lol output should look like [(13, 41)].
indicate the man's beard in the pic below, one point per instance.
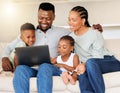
[(44, 30)]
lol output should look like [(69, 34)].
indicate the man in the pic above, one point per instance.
[(46, 34)]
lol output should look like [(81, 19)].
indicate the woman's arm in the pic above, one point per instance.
[(98, 46)]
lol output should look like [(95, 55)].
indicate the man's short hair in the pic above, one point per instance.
[(27, 26), (47, 6)]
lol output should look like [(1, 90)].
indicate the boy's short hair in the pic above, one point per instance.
[(27, 26), (47, 6)]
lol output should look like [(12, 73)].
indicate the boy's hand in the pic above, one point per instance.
[(15, 61), (6, 64)]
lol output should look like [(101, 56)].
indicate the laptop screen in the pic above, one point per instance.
[(34, 55)]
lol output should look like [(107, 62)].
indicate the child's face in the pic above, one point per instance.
[(64, 47), (28, 36)]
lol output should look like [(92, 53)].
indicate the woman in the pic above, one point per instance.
[(89, 45)]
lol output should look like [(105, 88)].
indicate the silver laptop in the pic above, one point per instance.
[(34, 55)]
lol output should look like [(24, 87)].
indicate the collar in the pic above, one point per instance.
[(39, 30)]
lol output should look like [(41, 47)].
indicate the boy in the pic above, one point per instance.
[(27, 36)]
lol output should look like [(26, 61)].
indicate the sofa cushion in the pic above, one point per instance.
[(6, 79), (6, 84), (57, 83), (113, 90), (113, 45), (112, 79), (73, 88)]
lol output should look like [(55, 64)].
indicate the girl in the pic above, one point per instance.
[(67, 61)]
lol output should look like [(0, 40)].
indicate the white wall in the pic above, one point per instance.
[(103, 12)]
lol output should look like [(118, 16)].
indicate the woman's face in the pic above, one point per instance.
[(74, 20)]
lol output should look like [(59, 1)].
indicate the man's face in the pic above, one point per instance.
[(45, 19)]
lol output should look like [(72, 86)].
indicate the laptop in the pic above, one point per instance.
[(34, 55)]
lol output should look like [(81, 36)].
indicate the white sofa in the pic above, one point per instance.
[(112, 80)]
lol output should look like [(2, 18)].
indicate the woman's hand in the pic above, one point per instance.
[(81, 68)]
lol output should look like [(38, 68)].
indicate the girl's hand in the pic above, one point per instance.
[(53, 60), (81, 68), (59, 65)]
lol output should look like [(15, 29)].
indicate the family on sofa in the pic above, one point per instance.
[(94, 59)]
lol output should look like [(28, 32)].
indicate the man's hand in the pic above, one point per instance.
[(6, 64), (98, 27)]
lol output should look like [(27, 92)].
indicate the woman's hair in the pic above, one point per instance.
[(69, 38), (83, 13)]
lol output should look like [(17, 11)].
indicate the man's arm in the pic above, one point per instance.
[(6, 64), (10, 47)]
